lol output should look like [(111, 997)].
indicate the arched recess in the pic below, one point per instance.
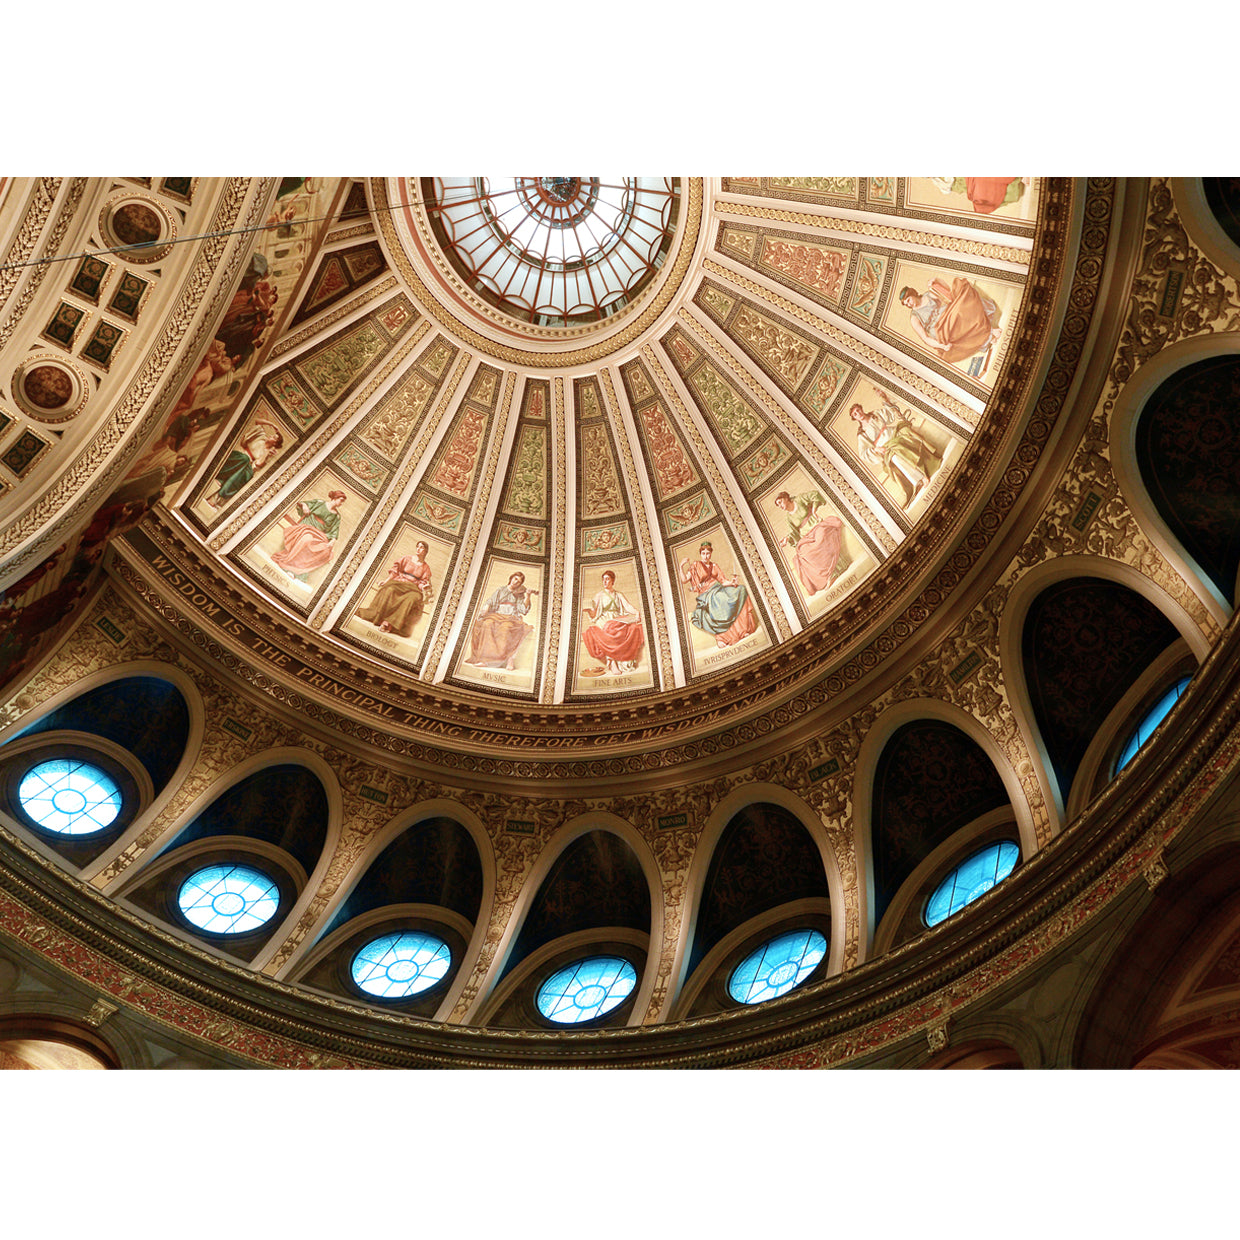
[(301, 847), (694, 956), (42, 1041), (437, 807), (1170, 992), (432, 868), (1098, 766), (978, 1055), (903, 918), (954, 826), (695, 879), (1012, 626), (1209, 209), (1187, 447), (1126, 417), (147, 718), (534, 937)]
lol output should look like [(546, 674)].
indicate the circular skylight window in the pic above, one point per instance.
[(586, 989), (228, 899), (70, 797), (972, 878), (778, 966), (396, 966), (555, 250)]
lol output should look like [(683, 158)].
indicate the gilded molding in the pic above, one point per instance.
[(469, 547), (885, 232), (1176, 293), (850, 343), (790, 424), (646, 541), (372, 293), (331, 428), (709, 467), (73, 490)]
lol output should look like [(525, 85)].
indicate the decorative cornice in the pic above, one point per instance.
[(1065, 889)]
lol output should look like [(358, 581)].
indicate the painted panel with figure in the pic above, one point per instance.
[(499, 647), (256, 446), (396, 608), (822, 555), (613, 642), (297, 550), (721, 621), (1012, 198), (901, 448), (962, 321)]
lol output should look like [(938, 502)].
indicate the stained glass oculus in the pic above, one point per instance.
[(972, 878), (395, 966), (228, 899), (69, 796), (778, 966), (586, 989), (1154, 716), (555, 251)]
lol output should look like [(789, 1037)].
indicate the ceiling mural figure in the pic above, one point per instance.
[(755, 606)]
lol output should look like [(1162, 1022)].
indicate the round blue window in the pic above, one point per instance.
[(777, 966), (973, 877), (228, 899), (69, 796), (396, 966), (1145, 729), (586, 989)]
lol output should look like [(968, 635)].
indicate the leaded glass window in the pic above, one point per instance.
[(69, 796), (972, 878), (586, 989), (1153, 717), (555, 250), (228, 899), (778, 966), (395, 966)]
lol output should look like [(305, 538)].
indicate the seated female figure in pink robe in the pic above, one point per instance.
[(309, 543)]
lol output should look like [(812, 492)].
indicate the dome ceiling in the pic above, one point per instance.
[(613, 507)]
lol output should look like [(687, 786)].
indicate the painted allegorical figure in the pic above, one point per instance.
[(249, 456), (310, 540), (499, 628), (616, 636), (887, 440), (401, 599), (721, 608), (986, 194), (955, 321), (814, 539)]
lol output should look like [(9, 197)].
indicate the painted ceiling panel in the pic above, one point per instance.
[(714, 467)]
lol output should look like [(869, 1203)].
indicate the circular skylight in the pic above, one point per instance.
[(228, 899), (395, 966), (70, 797), (586, 989), (972, 878), (778, 966), (555, 250)]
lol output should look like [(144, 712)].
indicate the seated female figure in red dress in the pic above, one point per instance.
[(616, 636)]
